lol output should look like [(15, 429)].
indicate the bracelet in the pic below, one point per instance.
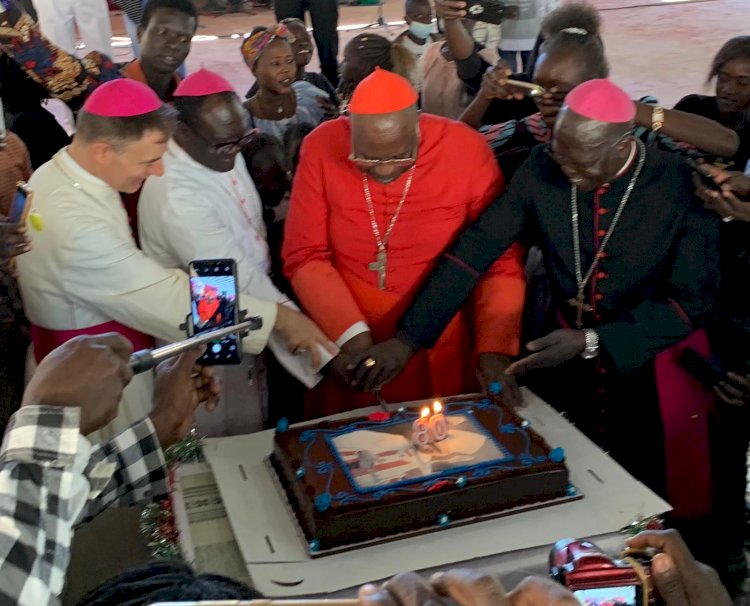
[(657, 119)]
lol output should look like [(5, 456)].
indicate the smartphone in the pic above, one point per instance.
[(214, 303), (490, 11), (706, 371), (701, 173), (21, 205), (627, 595), (528, 88)]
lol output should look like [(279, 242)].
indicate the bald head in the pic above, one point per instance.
[(381, 140)]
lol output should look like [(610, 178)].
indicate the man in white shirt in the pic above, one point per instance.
[(206, 206), (85, 275), (59, 18)]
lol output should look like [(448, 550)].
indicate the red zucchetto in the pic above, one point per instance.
[(382, 92)]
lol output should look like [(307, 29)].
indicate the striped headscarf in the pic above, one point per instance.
[(254, 45)]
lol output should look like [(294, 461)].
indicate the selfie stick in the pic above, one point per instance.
[(146, 359)]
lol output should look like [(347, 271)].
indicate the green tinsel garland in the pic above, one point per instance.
[(157, 519), (639, 525)]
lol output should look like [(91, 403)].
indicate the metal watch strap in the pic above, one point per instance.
[(657, 119), (591, 349)]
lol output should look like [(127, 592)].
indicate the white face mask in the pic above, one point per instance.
[(421, 30)]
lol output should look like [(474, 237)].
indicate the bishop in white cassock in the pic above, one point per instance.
[(84, 274), (206, 206)]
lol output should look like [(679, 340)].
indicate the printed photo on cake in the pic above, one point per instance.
[(384, 456)]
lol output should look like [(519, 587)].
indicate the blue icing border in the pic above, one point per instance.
[(423, 483)]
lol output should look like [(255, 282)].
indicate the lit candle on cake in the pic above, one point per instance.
[(420, 434), (438, 422)]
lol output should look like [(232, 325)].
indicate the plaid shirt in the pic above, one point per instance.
[(50, 479)]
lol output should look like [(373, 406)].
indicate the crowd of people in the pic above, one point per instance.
[(438, 214)]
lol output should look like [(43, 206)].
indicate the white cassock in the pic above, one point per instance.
[(85, 270), (193, 212)]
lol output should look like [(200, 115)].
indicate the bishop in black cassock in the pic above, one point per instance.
[(610, 360)]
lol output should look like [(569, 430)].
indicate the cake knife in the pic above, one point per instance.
[(381, 401)]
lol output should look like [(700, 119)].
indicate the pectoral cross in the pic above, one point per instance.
[(579, 302), (379, 266)]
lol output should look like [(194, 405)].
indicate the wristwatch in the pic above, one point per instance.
[(657, 119), (592, 344)]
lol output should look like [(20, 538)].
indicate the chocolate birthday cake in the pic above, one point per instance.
[(368, 478)]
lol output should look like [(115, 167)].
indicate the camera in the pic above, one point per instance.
[(596, 579)]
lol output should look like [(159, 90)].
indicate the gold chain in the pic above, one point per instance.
[(383, 242)]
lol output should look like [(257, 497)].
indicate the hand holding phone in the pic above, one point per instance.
[(706, 371), (14, 239), (703, 177)]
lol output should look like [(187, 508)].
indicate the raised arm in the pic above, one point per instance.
[(697, 131), (63, 75)]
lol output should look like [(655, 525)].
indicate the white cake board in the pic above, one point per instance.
[(276, 556)]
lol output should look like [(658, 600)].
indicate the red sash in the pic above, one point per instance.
[(685, 405), (45, 340)]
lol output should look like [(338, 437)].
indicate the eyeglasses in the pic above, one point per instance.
[(367, 164), (227, 147)]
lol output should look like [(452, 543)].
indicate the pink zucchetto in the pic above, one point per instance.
[(201, 83), (123, 98), (601, 100)]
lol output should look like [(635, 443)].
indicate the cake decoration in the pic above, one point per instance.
[(323, 502), (461, 481), (300, 473), (557, 455), (314, 545), (443, 519), (495, 388), (379, 416), (282, 425)]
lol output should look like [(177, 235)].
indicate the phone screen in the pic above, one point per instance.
[(213, 302), (17, 212), (608, 596)]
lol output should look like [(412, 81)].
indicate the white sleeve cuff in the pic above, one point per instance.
[(355, 329)]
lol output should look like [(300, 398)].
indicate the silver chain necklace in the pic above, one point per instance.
[(579, 301), (381, 257)]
